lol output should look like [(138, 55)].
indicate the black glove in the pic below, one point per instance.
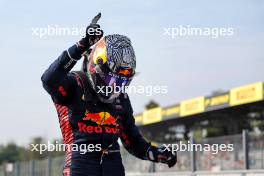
[(162, 155), (93, 33)]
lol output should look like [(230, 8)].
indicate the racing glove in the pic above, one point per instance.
[(93, 33), (162, 155)]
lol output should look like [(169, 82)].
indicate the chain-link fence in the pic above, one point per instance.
[(222, 160), (256, 151), (247, 153)]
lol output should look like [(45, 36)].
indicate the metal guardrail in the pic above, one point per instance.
[(204, 173)]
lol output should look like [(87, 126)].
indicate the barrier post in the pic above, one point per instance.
[(31, 168), (245, 149), (48, 169), (193, 157), (17, 169)]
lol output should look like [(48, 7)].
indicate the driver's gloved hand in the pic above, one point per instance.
[(93, 33), (162, 155)]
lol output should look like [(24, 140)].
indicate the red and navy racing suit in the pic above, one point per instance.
[(91, 122)]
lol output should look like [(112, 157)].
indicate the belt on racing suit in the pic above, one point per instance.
[(107, 151)]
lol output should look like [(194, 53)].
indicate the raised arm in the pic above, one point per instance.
[(57, 80)]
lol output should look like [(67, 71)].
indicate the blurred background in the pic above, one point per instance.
[(215, 85)]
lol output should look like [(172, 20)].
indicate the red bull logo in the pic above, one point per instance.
[(101, 118), (96, 129), (125, 72)]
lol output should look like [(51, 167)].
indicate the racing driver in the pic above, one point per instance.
[(90, 112)]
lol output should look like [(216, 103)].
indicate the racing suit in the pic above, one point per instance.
[(90, 121)]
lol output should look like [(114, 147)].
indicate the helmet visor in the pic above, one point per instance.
[(111, 79)]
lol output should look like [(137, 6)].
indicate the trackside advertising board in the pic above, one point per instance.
[(235, 97)]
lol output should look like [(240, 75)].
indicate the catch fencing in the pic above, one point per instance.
[(247, 159)]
